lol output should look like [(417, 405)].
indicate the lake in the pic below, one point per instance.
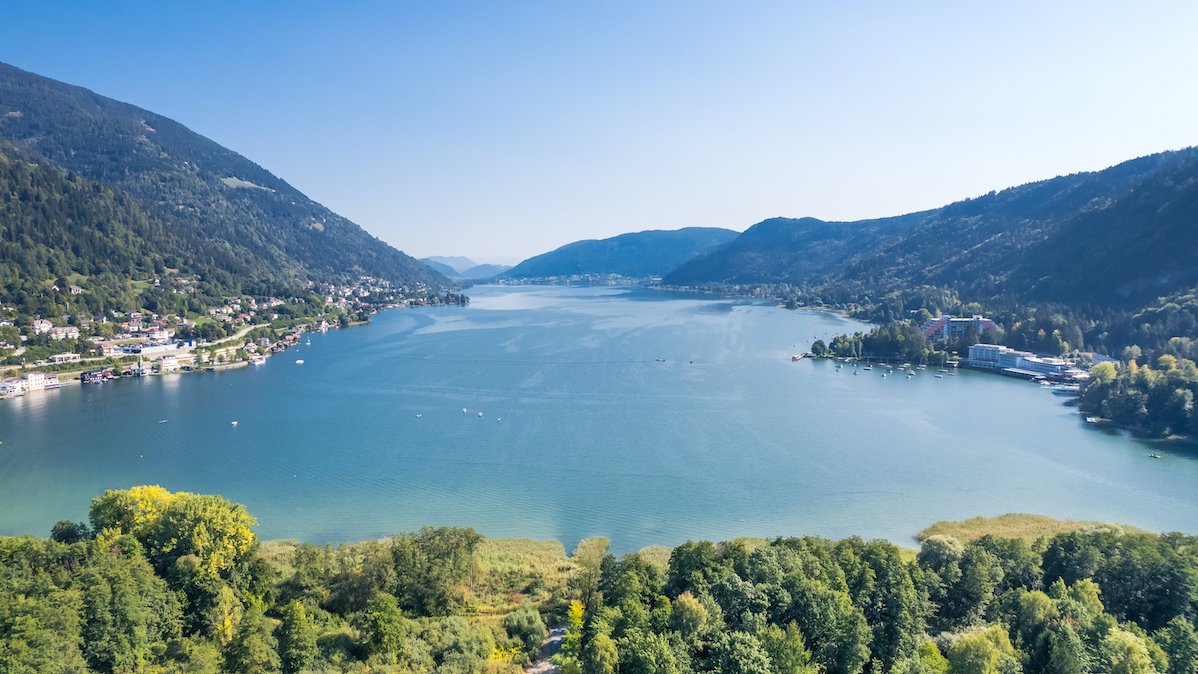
[(584, 432)]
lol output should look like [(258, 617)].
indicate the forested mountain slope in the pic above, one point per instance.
[(1036, 241), (195, 186), (59, 225), (783, 249), (637, 254)]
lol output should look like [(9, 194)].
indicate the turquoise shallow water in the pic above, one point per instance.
[(584, 432)]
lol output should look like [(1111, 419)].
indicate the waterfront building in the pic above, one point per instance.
[(1013, 361), (34, 381), (950, 327)]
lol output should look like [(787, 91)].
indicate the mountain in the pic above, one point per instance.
[(234, 214), (457, 263), (1040, 241), (439, 267), (781, 249), (1145, 244), (635, 255), (484, 271)]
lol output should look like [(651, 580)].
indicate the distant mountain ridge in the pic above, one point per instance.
[(241, 217), (1041, 241), (464, 268), (635, 255)]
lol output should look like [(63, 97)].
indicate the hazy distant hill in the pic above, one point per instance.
[(637, 255), (439, 267), (484, 271), (1096, 237), (456, 263), (463, 268), (244, 216)]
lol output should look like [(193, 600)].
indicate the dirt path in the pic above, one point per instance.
[(549, 646)]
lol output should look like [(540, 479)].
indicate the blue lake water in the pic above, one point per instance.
[(584, 432)]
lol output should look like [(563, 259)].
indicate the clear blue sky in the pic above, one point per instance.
[(498, 130)]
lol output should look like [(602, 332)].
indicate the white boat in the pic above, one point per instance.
[(234, 423), (299, 361), (419, 415), (463, 410), (258, 360), (480, 414)]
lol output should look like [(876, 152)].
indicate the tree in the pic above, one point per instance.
[(297, 638), (66, 531), (986, 652), (254, 650), (819, 348), (569, 657), (1180, 643), (526, 626), (1125, 653), (786, 650), (836, 630), (689, 618), (224, 618), (693, 566), (742, 653), (130, 511), (385, 625), (429, 564), (600, 656), (216, 531), (647, 653)]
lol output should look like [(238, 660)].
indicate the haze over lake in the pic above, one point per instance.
[(584, 432)]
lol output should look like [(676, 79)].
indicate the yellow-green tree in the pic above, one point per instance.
[(216, 531), (130, 511)]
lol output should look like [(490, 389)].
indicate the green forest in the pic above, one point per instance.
[(177, 582)]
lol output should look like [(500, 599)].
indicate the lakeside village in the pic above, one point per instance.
[(243, 331), (1062, 376)]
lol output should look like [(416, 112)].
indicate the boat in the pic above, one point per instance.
[(1154, 456), (939, 376), (234, 423), (299, 361), (1091, 420), (660, 360), (164, 421), (797, 356), (1067, 390), (463, 410), (258, 360), (480, 414), (308, 343)]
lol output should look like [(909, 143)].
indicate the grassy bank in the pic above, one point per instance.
[(1023, 526)]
